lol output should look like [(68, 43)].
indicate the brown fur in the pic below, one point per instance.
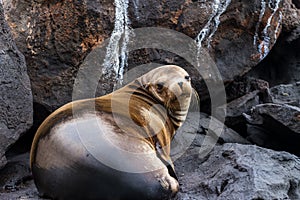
[(139, 97), (142, 94)]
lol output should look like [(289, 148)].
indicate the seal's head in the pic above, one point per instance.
[(170, 85)]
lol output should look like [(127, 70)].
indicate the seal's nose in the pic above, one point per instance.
[(180, 84)]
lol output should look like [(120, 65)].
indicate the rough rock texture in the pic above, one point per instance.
[(16, 181), (56, 36), (199, 134), (195, 131), (242, 94), (275, 126), (227, 135), (286, 94), (285, 115), (242, 86), (282, 65), (15, 94), (291, 14), (235, 171), (229, 171)]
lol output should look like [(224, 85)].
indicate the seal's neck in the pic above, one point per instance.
[(137, 95), (136, 101)]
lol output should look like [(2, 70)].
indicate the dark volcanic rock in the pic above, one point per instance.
[(291, 14), (235, 109), (244, 85), (227, 134), (297, 3), (242, 94), (15, 93), (194, 133), (56, 36), (275, 126), (280, 114), (286, 94), (235, 171), (282, 65), (16, 181)]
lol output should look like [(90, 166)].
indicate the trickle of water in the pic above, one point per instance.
[(210, 28), (265, 43), (261, 15), (136, 4), (116, 58)]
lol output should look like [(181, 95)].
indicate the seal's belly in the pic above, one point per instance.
[(98, 137), (91, 154)]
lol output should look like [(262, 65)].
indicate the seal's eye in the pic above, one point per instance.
[(187, 78), (159, 86)]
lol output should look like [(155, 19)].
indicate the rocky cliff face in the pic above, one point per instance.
[(56, 36), (15, 94), (255, 46)]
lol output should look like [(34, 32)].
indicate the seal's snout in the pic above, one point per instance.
[(180, 84)]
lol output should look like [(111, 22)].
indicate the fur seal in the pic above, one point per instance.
[(116, 146)]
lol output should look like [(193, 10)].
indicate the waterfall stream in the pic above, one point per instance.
[(116, 57), (116, 53), (210, 28), (264, 44)]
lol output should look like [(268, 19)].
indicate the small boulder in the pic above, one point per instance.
[(286, 94), (235, 171), (275, 126)]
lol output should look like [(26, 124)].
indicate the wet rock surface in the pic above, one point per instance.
[(56, 36), (15, 94), (281, 66)]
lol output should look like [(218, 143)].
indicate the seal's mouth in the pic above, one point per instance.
[(185, 95), (180, 99)]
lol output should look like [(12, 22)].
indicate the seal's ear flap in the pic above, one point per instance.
[(147, 85), (195, 102), (144, 82)]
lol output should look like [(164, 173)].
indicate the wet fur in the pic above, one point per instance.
[(143, 95)]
